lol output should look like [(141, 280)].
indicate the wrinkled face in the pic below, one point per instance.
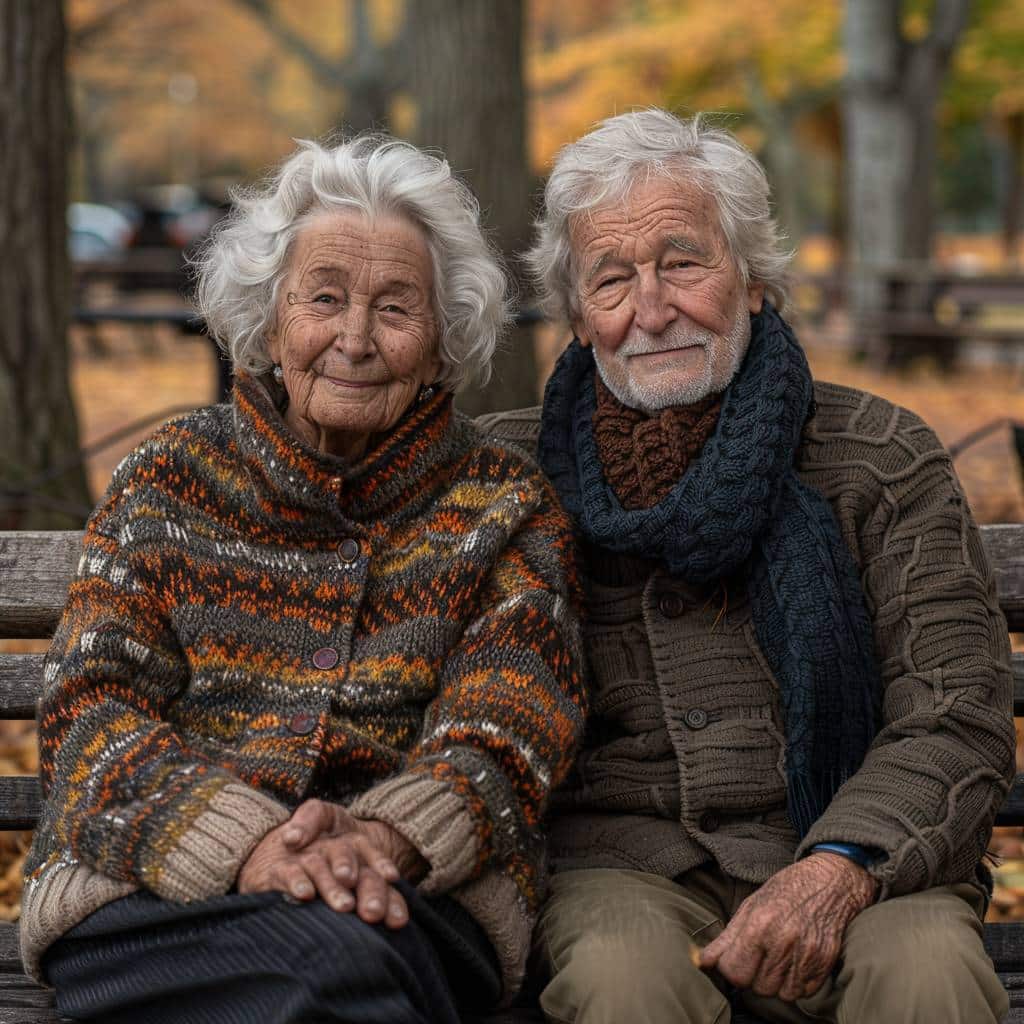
[(355, 332), (660, 297)]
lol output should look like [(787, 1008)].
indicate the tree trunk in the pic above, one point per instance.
[(892, 87), (780, 155), (37, 418), (371, 79), (1013, 205), (467, 77)]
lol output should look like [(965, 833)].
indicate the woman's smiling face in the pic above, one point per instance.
[(355, 331)]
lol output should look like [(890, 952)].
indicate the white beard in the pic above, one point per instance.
[(723, 356)]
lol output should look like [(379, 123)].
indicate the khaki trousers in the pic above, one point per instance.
[(618, 947)]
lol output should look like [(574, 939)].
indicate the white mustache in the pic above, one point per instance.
[(677, 336)]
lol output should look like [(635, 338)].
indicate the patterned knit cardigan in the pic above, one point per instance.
[(254, 623)]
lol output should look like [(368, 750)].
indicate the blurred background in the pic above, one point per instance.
[(892, 132)]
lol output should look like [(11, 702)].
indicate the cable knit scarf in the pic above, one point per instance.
[(740, 507)]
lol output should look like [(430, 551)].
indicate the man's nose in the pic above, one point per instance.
[(654, 309)]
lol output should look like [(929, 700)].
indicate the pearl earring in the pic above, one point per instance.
[(278, 373)]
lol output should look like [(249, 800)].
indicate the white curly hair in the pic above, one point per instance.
[(605, 164), (240, 266)]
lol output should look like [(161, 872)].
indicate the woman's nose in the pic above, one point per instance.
[(353, 337)]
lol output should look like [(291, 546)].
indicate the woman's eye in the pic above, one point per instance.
[(680, 264), (327, 300), (392, 308), (608, 281)]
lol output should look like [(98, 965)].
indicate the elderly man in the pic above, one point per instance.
[(801, 690)]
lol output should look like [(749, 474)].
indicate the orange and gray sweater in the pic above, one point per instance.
[(254, 623)]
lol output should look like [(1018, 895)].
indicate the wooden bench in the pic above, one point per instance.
[(929, 311), (35, 569)]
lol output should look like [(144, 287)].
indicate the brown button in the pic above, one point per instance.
[(303, 723), (325, 658), (348, 550), (696, 718), (709, 822), (671, 605)]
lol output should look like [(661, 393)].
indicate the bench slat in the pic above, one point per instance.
[(25, 1003), (21, 680), (35, 570), (21, 802), (36, 567), (1004, 544)]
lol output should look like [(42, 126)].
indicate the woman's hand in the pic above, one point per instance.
[(322, 850)]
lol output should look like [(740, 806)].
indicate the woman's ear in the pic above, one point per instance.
[(273, 345)]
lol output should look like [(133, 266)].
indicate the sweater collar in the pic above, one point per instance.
[(295, 481)]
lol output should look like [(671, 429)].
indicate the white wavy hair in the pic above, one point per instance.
[(239, 268), (605, 164)]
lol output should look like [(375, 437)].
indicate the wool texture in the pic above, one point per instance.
[(643, 457), (741, 508), (255, 623), (685, 751)]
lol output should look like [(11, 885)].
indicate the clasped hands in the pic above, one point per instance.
[(350, 863), (785, 938)]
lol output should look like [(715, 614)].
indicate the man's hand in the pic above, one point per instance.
[(785, 938), (350, 863)]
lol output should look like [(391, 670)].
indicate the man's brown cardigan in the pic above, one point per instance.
[(685, 755)]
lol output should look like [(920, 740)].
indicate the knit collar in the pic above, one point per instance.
[(643, 456), (296, 481)]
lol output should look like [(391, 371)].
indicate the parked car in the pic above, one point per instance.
[(97, 232)]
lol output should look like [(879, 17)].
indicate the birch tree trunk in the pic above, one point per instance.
[(892, 88), (38, 426), (467, 79)]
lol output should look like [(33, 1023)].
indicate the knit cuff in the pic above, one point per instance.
[(431, 816), (208, 857), (499, 908)]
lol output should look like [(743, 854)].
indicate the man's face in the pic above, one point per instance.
[(660, 297)]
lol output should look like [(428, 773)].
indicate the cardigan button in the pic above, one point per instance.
[(709, 822), (348, 550), (696, 718), (671, 605), (325, 658), (303, 723)]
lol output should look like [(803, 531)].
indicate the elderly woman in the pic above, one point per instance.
[(320, 667)]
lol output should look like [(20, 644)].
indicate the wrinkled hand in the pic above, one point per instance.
[(351, 864), (314, 819), (785, 938)]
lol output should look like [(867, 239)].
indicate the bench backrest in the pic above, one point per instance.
[(36, 568)]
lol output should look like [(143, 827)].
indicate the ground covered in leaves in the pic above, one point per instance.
[(146, 376)]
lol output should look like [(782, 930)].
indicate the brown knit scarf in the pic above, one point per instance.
[(642, 456)]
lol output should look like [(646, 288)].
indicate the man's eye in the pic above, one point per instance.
[(680, 264), (391, 307), (608, 281), (324, 299)]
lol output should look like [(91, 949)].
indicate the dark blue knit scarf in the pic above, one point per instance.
[(740, 507)]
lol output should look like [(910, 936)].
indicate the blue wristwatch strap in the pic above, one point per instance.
[(851, 851)]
